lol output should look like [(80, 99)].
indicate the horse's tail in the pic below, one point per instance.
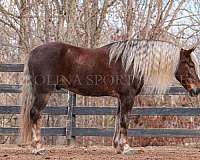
[(27, 103)]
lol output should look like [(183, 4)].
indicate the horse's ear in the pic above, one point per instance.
[(189, 51)]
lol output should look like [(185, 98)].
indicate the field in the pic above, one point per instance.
[(13, 152)]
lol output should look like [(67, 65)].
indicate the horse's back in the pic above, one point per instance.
[(54, 61)]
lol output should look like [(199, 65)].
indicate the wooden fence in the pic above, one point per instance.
[(71, 131)]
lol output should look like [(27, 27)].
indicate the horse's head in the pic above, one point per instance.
[(187, 72)]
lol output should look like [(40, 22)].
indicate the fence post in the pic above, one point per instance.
[(71, 119)]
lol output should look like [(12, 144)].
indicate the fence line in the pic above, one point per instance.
[(71, 110), (110, 110)]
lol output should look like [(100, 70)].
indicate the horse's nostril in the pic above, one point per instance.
[(193, 92), (198, 90)]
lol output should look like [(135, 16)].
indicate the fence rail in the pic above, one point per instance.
[(11, 67), (7, 88), (106, 110), (72, 111), (108, 132)]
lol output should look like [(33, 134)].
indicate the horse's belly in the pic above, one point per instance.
[(91, 85), (86, 92)]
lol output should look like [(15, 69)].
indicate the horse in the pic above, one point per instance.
[(120, 69)]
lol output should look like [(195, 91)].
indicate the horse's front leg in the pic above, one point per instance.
[(117, 128), (120, 139)]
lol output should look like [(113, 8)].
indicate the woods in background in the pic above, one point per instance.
[(27, 23)]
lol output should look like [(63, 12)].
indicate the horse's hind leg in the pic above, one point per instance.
[(35, 115)]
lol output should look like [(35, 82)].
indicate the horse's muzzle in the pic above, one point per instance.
[(194, 92)]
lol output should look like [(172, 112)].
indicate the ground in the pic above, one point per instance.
[(12, 152)]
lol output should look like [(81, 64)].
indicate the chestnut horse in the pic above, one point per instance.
[(120, 69)]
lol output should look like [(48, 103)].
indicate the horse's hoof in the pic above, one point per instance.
[(41, 151), (22, 145), (118, 151), (128, 151)]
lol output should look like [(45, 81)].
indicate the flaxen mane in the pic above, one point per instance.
[(196, 62), (153, 61)]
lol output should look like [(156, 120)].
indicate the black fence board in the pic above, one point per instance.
[(95, 110), (105, 132), (6, 88), (59, 110), (142, 111), (108, 132), (11, 67), (50, 131)]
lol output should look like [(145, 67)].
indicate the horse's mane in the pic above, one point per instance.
[(195, 60), (153, 61)]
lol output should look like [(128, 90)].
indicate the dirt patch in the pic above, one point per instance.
[(12, 152)]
